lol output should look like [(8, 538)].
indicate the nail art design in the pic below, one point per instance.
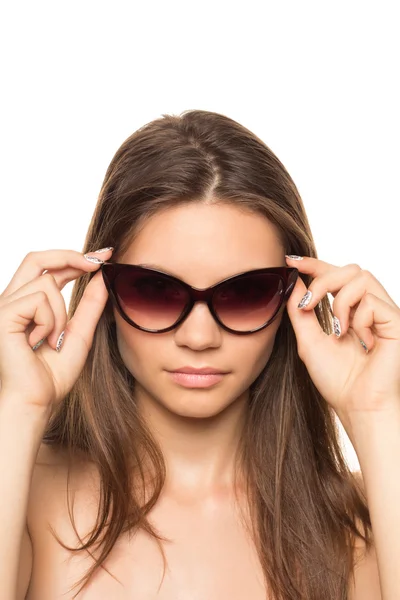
[(294, 256), (336, 327), (60, 341), (104, 250), (306, 299), (364, 346), (93, 259), (36, 346)]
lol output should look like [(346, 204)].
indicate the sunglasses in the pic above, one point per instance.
[(156, 302)]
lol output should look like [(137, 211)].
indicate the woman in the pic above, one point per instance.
[(236, 479)]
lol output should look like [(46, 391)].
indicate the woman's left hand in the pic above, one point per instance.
[(350, 379)]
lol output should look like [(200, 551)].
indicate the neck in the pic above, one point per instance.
[(199, 453)]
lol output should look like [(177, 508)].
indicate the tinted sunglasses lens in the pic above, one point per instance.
[(149, 299), (248, 302), (154, 301)]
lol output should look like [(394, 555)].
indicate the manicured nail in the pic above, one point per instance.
[(364, 346), (294, 257), (36, 346), (93, 259), (306, 299), (336, 327), (60, 341)]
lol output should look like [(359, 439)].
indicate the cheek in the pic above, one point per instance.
[(139, 351), (137, 348), (259, 354), (256, 353)]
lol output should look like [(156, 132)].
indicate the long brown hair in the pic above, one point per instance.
[(304, 501)]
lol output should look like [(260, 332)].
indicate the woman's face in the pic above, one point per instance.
[(202, 245)]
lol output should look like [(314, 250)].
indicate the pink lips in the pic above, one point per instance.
[(193, 377), (196, 380), (202, 370)]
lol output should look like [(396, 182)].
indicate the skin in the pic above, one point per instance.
[(198, 429)]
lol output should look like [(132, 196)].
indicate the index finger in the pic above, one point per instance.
[(312, 266), (54, 261)]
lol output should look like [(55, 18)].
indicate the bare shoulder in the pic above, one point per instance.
[(53, 479), (51, 455), (366, 584), (48, 475), (46, 460), (48, 456), (50, 470), (54, 458), (52, 475)]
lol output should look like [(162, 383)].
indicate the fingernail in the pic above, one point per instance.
[(336, 327), (93, 259), (294, 257), (306, 299), (364, 346), (104, 250), (60, 341), (36, 346)]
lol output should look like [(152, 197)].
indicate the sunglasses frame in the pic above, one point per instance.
[(111, 270)]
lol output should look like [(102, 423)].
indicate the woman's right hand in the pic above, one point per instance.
[(32, 308)]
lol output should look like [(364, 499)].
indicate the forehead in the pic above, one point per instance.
[(203, 243)]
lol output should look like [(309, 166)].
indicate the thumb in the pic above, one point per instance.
[(87, 314), (307, 329)]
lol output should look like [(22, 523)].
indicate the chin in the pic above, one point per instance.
[(196, 404), (195, 411)]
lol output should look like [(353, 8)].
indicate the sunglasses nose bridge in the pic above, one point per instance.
[(201, 296), (197, 295)]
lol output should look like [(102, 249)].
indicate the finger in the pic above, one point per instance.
[(13, 322), (311, 266), (35, 263), (64, 276), (57, 303), (374, 315), (331, 282), (305, 324), (88, 312), (334, 280), (352, 293)]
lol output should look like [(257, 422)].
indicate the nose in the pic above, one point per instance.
[(199, 329)]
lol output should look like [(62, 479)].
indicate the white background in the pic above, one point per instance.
[(317, 81)]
